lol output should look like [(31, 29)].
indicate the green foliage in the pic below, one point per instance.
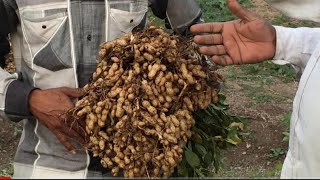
[(274, 172), (283, 20), (286, 121), (279, 20), (286, 136), (256, 93), (6, 170), (215, 129), (269, 69), (155, 20), (217, 10), (276, 153), (17, 131)]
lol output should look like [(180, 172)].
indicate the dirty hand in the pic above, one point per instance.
[(247, 40), (49, 107)]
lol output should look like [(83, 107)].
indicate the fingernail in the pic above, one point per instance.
[(86, 88)]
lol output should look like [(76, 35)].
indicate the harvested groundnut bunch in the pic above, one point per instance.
[(139, 107)]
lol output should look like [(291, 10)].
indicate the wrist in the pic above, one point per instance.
[(32, 96), (17, 98)]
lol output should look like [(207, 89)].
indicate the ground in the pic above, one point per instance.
[(10, 135), (263, 93), (267, 103)]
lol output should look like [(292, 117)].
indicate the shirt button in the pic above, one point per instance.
[(89, 37)]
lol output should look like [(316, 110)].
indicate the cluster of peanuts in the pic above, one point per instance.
[(140, 103)]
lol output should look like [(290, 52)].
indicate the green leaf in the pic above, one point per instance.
[(192, 159), (286, 136), (285, 139), (196, 138), (231, 141), (222, 98), (219, 108), (237, 126), (217, 160), (232, 132), (199, 173), (202, 150), (208, 113), (278, 167), (189, 146), (208, 159), (183, 170)]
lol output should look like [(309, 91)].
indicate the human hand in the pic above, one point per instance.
[(49, 107), (248, 40)]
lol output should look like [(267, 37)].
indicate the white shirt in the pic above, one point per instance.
[(301, 48)]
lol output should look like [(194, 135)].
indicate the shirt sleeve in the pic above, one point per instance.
[(4, 49), (14, 92), (295, 46), (159, 8), (179, 21)]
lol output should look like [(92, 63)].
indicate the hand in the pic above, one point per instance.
[(49, 107), (245, 41)]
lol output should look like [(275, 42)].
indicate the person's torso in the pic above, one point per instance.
[(47, 36), (56, 45), (303, 158)]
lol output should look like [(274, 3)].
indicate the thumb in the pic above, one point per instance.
[(240, 11), (73, 92)]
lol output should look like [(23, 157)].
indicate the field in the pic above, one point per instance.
[(262, 92)]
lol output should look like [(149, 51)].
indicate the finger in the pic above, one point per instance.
[(74, 131), (212, 39), (213, 50), (224, 61), (77, 125), (73, 92), (86, 88), (58, 131), (239, 11), (207, 28), (80, 130), (82, 123), (228, 61), (64, 141)]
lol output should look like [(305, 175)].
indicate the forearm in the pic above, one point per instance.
[(296, 45), (14, 97)]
